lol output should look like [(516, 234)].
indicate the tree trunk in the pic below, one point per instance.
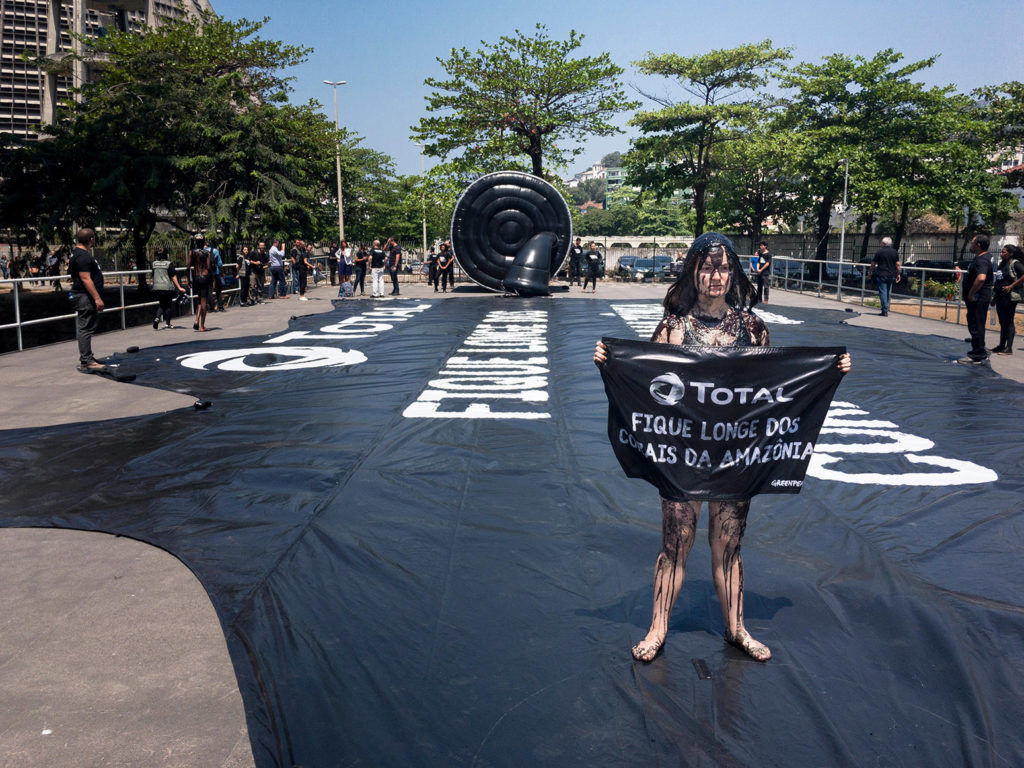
[(537, 155), (140, 239), (901, 227), (700, 190), (869, 222)]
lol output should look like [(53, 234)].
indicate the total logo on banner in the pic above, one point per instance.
[(275, 356)]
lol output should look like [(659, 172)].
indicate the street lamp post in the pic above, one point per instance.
[(337, 156), (423, 198), (842, 231)]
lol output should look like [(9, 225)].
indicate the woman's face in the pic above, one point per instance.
[(245, 250), (1005, 253), (713, 278)]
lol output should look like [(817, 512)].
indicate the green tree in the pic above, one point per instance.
[(591, 190), (1003, 108), (910, 148), (757, 178), (519, 104), (612, 160), (679, 143), (186, 124)]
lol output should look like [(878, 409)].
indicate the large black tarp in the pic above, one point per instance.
[(400, 587)]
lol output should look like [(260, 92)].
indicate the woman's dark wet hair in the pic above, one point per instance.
[(683, 294)]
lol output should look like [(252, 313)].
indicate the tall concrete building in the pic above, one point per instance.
[(34, 28)]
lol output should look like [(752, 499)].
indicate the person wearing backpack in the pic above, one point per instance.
[(165, 285), (1009, 291)]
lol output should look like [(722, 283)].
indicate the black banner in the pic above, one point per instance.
[(718, 422)]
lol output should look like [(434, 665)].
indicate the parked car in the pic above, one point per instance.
[(663, 265), (852, 273), (627, 267), (644, 268), (931, 264)]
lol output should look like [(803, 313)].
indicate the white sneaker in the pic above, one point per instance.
[(303, 298)]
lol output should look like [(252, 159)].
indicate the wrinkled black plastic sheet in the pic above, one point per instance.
[(404, 591)]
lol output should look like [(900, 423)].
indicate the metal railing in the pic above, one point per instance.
[(124, 279), (919, 286)]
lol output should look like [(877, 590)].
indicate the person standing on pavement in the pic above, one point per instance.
[(977, 293), (359, 262), (166, 286), (242, 271), (86, 297), (344, 277), (200, 277), (1009, 291), (394, 263), (377, 261), (257, 273), (432, 275), (575, 262), (445, 265), (301, 266), (218, 276), (885, 268), (593, 260), (332, 261), (298, 248), (275, 258), (764, 271)]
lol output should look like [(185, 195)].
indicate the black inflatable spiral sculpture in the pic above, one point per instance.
[(505, 215)]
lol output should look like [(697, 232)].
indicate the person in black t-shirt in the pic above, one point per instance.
[(764, 271), (432, 275), (575, 262), (977, 293), (87, 298), (302, 266), (359, 262), (333, 254), (885, 268), (593, 259), (445, 265), (394, 263), (1009, 278), (377, 261), (257, 273)]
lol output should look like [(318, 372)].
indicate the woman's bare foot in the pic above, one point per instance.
[(648, 648), (755, 650)]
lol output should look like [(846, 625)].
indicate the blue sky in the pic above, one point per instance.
[(386, 49)]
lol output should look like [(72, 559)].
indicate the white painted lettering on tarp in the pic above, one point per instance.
[(837, 460), (500, 372), (272, 358), (275, 357), (364, 326), (643, 318)]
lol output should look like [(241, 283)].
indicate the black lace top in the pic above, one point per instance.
[(735, 329)]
